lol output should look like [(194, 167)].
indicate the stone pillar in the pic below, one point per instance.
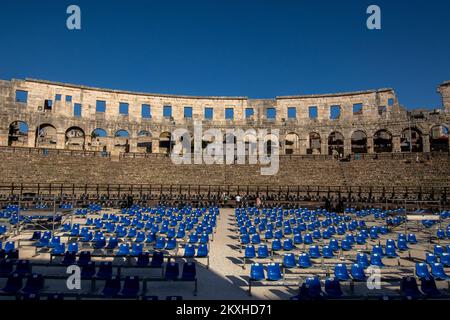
[(60, 140), (426, 143), (133, 144), (347, 146), (324, 146), (302, 146), (155, 145), (370, 145), (4, 137), (396, 144), (32, 138)]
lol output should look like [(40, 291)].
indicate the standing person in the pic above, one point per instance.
[(258, 202), (238, 200)]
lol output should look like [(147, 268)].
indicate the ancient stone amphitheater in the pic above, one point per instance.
[(62, 137)]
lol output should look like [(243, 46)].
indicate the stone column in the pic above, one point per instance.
[(370, 145), (347, 146), (426, 143), (32, 137), (155, 145), (324, 146), (302, 146), (60, 140), (133, 144), (396, 144), (4, 137)]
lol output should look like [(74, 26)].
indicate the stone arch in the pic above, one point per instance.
[(269, 141), (314, 143), (18, 134), (46, 136), (291, 143), (165, 142), (144, 141), (382, 141), (336, 143), (74, 138), (411, 140), (359, 142), (439, 138), (122, 140), (99, 140)]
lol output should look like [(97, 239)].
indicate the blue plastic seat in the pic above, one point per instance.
[(376, 260), (193, 238), (105, 270), (327, 252), (438, 250), (274, 272), (250, 252), (130, 287), (172, 271), (69, 258), (334, 244), (157, 259), (341, 272), (6, 267), (298, 238), (288, 245), (268, 235), (422, 271), (308, 239), (136, 249), (429, 288), (289, 260), (412, 238), (189, 271), (42, 243), (314, 252), (276, 245), (99, 243), (311, 289), (390, 252), (140, 237), (13, 284), (391, 242), (333, 288), (189, 251), (409, 288), (357, 272), (36, 236), (112, 287), (373, 234), (440, 233), (88, 270), (171, 244), (263, 251), (438, 272), (304, 261), (346, 245), (430, 258), (378, 250), (23, 267), (402, 245), (256, 239), (59, 249), (360, 239), (113, 242), (257, 272), (124, 250), (84, 258), (34, 284), (202, 250), (161, 243), (445, 259)]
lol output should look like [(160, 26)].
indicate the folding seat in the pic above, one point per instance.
[(75, 231), (189, 272), (161, 243), (42, 243), (257, 272), (288, 245), (437, 270), (68, 258), (440, 233), (132, 232), (143, 259), (384, 230), (278, 234), (136, 249), (402, 245), (304, 260), (88, 270), (429, 288), (204, 238), (326, 234), (422, 271), (84, 258), (13, 284), (445, 259), (378, 250), (157, 259), (430, 258), (189, 251), (263, 251), (327, 252), (112, 287), (171, 244), (140, 237), (23, 267), (314, 252), (250, 252), (172, 271), (151, 237), (308, 239), (274, 272), (311, 289), (202, 250), (409, 288), (6, 267), (193, 238), (104, 271), (130, 287), (87, 237), (345, 245), (357, 272), (276, 245), (373, 234), (401, 236), (298, 238), (289, 260), (438, 250), (333, 288), (350, 238), (256, 239), (36, 236), (59, 249), (360, 239), (245, 239), (390, 252), (334, 244), (317, 234), (376, 260), (181, 233), (99, 243), (391, 242), (341, 272), (412, 238)]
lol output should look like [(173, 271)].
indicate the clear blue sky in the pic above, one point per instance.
[(255, 48)]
